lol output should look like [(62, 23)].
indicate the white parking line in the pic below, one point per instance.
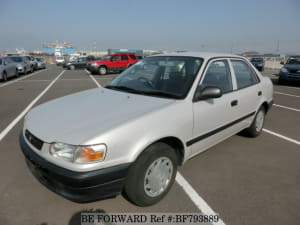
[(21, 78), (196, 198), (289, 87), (35, 80), (96, 82), (281, 93), (282, 136), (285, 107), (20, 116)]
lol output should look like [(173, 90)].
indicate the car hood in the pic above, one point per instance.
[(78, 117), (292, 66)]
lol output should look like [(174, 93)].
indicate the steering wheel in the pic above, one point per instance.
[(146, 81)]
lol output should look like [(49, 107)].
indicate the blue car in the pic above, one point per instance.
[(290, 70)]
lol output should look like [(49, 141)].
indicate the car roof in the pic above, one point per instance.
[(205, 55)]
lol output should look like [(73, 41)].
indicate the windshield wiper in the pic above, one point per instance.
[(150, 93), (161, 94), (124, 88)]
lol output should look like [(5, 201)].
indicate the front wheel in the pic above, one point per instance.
[(152, 175), (4, 76), (258, 123), (102, 70), (17, 73)]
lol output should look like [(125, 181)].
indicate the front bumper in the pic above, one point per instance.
[(92, 69), (289, 76), (75, 186)]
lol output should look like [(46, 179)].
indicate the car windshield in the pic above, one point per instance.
[(59, 58), (40, 59), (293, 60), (161, 76), (256, 60), (16, 59)]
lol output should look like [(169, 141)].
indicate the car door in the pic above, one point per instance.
[(214, 118), (124, 61), (9, 67), (115, 63), (81, 63), (248, 88)]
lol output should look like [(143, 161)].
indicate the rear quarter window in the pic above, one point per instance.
[(132, 57)]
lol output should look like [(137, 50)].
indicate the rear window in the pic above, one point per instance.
[(132, 56)]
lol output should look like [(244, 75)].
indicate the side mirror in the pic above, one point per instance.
[(207, 93), (282, 63)]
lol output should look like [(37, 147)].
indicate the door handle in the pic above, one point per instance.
[(259, 93), (234, 103)]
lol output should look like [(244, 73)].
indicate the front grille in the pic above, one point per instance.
[(34, 140), (295, 71)]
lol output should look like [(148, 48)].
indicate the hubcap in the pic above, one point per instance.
[(102, 70), (158, 176), (259, 120)]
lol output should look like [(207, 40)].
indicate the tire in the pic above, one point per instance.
[(31, 69), (281, 81), (102, 70), (4, 76), (17, 73), (72, 67), (258, 123), (138, 186)]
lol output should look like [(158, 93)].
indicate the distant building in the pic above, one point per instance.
[(123, 50), (56, 48)]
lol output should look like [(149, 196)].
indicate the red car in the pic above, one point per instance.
[(112, 63)]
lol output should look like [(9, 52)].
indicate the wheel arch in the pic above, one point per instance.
[(173, 142)]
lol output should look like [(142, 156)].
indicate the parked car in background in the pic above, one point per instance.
[(22, 63), (33, 63), (258, 62), (8, 68), (59, 60), (290, 70), (114, 63), (155, 116), (41, 64), (79, 63)]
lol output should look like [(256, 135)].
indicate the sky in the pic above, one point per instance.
[(195, 25)]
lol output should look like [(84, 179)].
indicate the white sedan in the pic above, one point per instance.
[(133, 134)]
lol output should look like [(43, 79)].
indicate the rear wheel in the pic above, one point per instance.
[(102, 70), (258, 123), (152, 175)]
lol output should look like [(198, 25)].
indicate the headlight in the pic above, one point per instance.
[(78, 154), (284, 70), (94, 64), (260, 64)]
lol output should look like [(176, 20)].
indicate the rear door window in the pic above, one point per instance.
[(244, 74), (124, 57), (132, 57)]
